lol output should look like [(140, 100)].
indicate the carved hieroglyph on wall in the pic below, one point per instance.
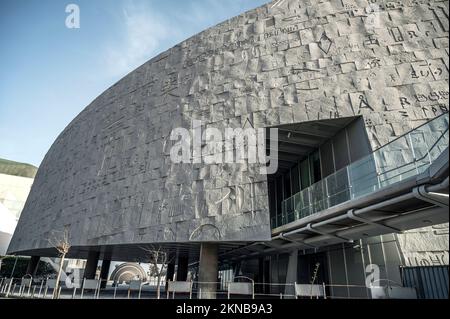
[(109, 176), (425, 246)]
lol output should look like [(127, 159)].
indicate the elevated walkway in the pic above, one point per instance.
[(402, 185)]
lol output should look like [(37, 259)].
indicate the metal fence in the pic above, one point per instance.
[(136, 289), (430, 282)]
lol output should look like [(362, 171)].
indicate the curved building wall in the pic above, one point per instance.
[(109, 177)]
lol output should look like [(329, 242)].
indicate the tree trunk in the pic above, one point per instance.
[(61, 263), (158, 287)]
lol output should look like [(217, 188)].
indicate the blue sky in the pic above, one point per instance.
[(49, 73)]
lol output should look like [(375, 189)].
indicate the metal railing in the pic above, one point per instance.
[(43, 289), (404, 157)]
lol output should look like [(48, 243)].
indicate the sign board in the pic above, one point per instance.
[(393, 293), (91, 284), (135, 285), (26, 282), (308, 290), (51, 283), (378, 292), (240, 288), (179, 286)]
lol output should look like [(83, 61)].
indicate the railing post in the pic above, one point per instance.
[(82, 289), (46, 288), (9, 287), (295, 290), (29, 286), (253, 290), (99, 284), (349, 182), (413, 153), (40, 288)]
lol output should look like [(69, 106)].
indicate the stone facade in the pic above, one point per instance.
[(425, 246), (109, 178)]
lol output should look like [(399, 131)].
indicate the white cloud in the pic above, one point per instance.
[(147, 31), (144, 30), (206, 13)]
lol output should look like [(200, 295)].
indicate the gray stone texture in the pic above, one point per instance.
[(109, 178), (425, 246)]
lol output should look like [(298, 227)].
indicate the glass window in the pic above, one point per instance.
[(326, 153), (341, 154), (272, 198), (279, 191), (314, 161), (295, 180), (304, 174), (287, 185)]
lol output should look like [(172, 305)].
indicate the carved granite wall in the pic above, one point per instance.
[(425, 246), (109, 178)]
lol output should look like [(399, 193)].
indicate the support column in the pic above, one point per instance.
[(237, 269), (91, 265), (104, 272), (182, 269), (33, 264), (260, 278), (170, 272), (267, 275), (208, 270), (291, 275)]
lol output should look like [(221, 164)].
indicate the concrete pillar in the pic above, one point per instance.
[(291, 275), (170, 272), (260, 278), (208, 270), (104, 272), (91, 265), (182, 269), (33, 264), (267, 277), (237, 269)]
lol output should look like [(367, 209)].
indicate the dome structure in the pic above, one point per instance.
[(125, 272)]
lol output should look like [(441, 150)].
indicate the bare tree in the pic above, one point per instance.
[(60, 241), (158, 259)]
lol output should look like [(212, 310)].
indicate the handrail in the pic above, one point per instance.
[(278, 290), (415, 129), (349, 183), (415, 160)]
